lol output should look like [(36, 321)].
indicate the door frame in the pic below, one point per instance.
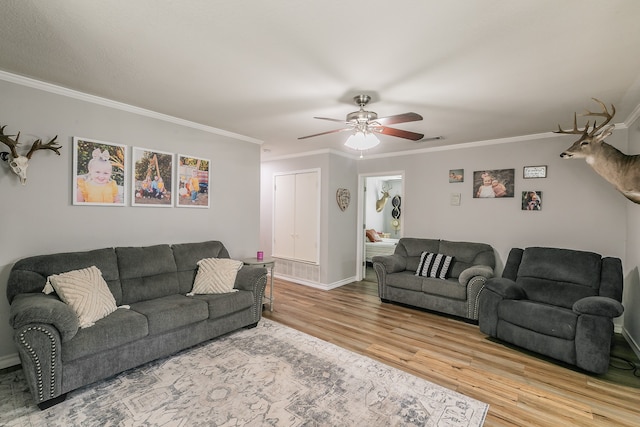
[(362, 180)]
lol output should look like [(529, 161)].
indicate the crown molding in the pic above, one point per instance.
[(70, 93)]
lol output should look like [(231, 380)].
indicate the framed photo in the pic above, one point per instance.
[(99, 173), (456, 175), (493, 183), (192, 187), (534, 172), (151, 178), (532, 200)]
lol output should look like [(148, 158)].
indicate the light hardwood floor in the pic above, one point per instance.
[(521, 390)]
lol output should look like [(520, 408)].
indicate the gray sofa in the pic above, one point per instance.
[(457, 295), (57, 356), (557, 302)]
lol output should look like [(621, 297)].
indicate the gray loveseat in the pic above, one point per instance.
[(57, 356), (457, 295), (556, 302)]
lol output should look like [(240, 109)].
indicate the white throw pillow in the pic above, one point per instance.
[(85, 291), (216, 276)]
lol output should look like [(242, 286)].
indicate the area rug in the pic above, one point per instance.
[(268, 375)]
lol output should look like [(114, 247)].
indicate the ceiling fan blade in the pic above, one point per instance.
[(324, 133), (399, 118), (399, 133), (332, 120)]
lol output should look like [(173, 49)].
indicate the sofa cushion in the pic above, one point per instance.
[(30, 274), (449, 288), (216, 276), (221, 305), (543, 280), (467, 254), (542, 318), (405, 280), (434, 265), (85, 291), (171, 312), (118, 328), (146, 273), (411, 248), (187, 255)]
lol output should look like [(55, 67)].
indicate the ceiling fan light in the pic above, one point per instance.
[(362, 141)]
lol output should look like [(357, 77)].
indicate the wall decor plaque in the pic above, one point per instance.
[(343, 197)]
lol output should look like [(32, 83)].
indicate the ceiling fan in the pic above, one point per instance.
[(367, 122)]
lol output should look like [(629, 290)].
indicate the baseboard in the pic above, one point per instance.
[(634, 345), (323, 286), (9, 361)]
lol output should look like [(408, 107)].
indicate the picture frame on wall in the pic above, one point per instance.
[(532, 200), (151, 178), (529, 172), (497, 183), (456, 175), (192, 182), (99, 173)]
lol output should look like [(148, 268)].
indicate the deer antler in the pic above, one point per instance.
[(586, 133), (51, 145), (11, 143)]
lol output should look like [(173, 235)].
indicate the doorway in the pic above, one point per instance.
[(380, 204)]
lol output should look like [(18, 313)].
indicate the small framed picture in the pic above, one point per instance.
[(152, 178), (99, 173), (534, 172), (192, 182), (456, 175), (532, 200)]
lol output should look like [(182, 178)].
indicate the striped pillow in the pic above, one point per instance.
[(434, 265), (216, 276)]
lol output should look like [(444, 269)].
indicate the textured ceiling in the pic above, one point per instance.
[(475, 70)]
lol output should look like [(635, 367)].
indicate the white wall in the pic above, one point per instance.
[(39, 218)]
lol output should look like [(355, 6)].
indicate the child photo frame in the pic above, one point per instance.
[(99, 173), (532, 200), (192, 186), (495, 183), (152, 178), (456, 175)]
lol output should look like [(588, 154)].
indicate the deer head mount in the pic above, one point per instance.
[(383, 200), (619, 169), (20, 163)]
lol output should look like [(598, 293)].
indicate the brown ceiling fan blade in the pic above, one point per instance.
[(399, 118), (399, 133), (324, 133), (332, 120)]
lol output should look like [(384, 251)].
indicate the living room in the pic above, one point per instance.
[(580, 209)]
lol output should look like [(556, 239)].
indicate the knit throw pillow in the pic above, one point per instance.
[(434, 265), (85, 291), (215, 276)]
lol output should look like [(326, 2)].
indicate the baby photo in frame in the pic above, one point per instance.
[(193, 182), (495, 183), (99, 173), (152, 178)]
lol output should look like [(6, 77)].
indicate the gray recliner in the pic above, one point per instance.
[(557, 302)]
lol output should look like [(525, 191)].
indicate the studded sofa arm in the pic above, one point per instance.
[(37, 308)]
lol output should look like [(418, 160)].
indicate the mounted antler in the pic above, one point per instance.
[(19, 163), (11, 143), (51, 145), (586, 133), (619, 169)]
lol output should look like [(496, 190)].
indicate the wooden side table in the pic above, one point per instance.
[(269, 264)]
